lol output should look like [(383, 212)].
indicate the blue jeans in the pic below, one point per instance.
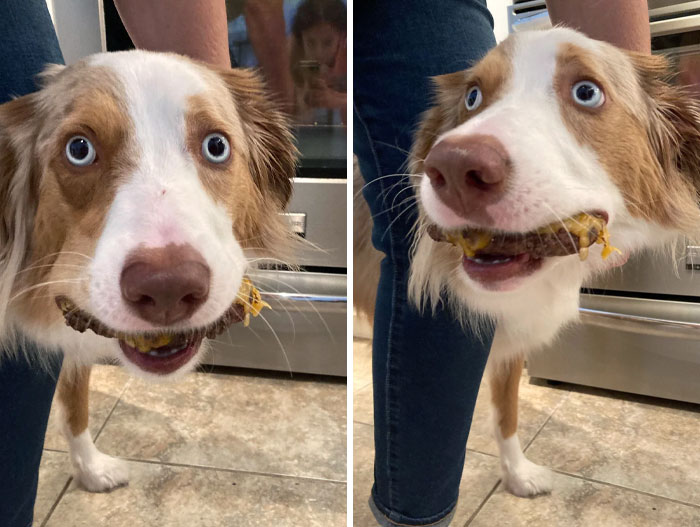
[(426, 369), (27, 43)]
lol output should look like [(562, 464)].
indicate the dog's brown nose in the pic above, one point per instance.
[(468, 172), (165, 285)]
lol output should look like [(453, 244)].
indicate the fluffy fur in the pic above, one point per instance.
[(69, 230), (636, 158)]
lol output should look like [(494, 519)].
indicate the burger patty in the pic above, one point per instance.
[(539, 245), (571, 236)]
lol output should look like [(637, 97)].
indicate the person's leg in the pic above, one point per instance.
[(426, 368), (27, 43)]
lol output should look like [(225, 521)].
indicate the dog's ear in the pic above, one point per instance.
[(674, 133), (18, 191), (442, 116), (273, 152)]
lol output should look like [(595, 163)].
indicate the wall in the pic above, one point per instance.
[(77, 24), (499, 11)]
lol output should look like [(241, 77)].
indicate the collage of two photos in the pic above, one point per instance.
[(329, 263)]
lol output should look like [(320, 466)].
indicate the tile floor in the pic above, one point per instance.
[(619, 460), (213, 450)]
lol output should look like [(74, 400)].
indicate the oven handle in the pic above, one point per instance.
[(303, 297), (681, 24), (658, 327)]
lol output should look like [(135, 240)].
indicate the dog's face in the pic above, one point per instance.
[(145, 183), (548, 128)]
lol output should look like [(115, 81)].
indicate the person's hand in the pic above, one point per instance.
[(320, 95), (340, 62)]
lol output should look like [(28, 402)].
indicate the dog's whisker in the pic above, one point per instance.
[(560, 220), (44, 284), (409, 199), (35, 267), (307, 303), (276, 337), (398, 217)]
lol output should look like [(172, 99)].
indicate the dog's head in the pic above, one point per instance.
[(553, 141), (138, 186)]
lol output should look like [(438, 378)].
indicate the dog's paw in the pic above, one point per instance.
[(101, 473), (527, 479)]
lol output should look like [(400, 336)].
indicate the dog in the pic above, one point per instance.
[(544, 165), (136, 191)]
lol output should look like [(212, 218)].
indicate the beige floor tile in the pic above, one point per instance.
[(160, 495), (362, 363), (535, 404), (106, 385), (271, 425), (633, 442), (578, 503), (54, 472), (363, 406), (479, 477)]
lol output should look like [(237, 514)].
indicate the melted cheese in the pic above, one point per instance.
[(477, 241), (146, 344), (580, 226), (249, 297)]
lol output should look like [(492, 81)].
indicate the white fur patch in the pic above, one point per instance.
[(521, 476), (95, 471), (163, 201)]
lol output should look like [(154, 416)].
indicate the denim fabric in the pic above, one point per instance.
[(426, 369), (27, 43)]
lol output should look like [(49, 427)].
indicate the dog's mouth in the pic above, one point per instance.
[(494, 256), (165, 351)]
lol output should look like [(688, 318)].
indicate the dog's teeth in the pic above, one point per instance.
[(493, 261)]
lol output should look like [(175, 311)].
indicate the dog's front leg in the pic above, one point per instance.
[(95, 471), (520, 476)]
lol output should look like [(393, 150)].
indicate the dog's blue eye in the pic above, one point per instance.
[(587, 93), (215, 148), (79, 151), (473, 98)]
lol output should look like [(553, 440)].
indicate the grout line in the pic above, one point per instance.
[(483, 453), (623, 487), (55, 450), (549, 417), (481, 505), (55, 504), (235, 471), (111, 411)]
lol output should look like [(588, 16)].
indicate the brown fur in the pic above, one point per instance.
[(66, 205), (72, 202), (366, 258), (73, 392), (505, 383), (656, 164), (271, 158), (449, 110)]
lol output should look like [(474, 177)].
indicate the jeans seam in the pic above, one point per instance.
[(392, 321), (399, 523)]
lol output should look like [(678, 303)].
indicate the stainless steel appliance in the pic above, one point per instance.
[(641, 325), (305, 331)]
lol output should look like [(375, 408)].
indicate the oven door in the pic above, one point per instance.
[(304, 331)]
